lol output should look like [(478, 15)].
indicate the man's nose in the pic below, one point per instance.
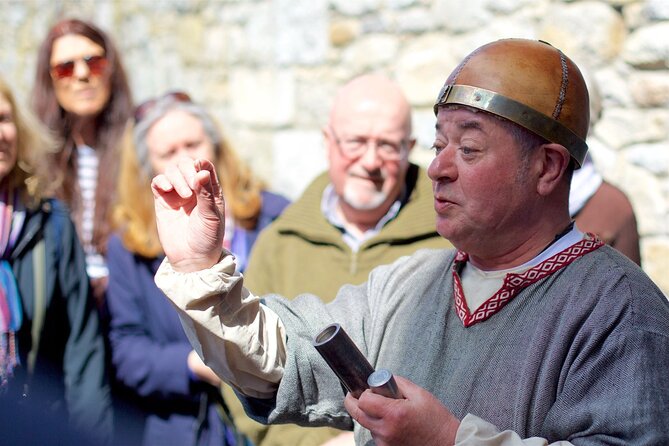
[(443, 166), (370, 157)]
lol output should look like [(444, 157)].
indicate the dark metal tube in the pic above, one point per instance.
[(344, 358)]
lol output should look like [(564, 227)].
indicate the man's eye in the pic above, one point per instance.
[(437, 149), (467, 150), (388, 147), (168, 155), (355, 143)]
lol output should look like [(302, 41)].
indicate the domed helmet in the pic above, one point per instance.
[(527, 82)]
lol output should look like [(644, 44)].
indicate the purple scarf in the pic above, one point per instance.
[(11, 311)]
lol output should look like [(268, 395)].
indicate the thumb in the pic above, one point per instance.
[(406, 387)]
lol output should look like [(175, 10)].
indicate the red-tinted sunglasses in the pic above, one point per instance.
[(96, 66), (145, 107)]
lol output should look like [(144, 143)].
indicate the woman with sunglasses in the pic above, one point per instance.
[(150, 351), (52, 357), (81, 93)]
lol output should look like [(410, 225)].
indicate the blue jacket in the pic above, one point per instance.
[(69, 379), (150, 349)]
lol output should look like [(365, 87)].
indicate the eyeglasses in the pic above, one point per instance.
[(145, 107), (356, 147), (96, 67)]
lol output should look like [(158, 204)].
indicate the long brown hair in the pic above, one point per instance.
[(134, 214), (30, 173), (109, 126)]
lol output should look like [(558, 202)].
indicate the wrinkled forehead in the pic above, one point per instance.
[(466, 116)]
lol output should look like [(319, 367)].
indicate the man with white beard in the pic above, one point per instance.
[(371, 207)]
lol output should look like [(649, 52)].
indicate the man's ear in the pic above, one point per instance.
[(555, 160), (328, 139), (411, 144)]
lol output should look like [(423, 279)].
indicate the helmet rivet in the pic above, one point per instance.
[(477, 97)]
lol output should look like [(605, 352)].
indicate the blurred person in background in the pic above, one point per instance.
[(81, 93), (52, 357), (596, 205), (599, 207), (178, 394), (372, 205)]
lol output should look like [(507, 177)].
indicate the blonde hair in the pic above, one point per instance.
[(134, 214), (33, 143)]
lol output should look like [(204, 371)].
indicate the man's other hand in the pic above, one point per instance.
[(419, 418)]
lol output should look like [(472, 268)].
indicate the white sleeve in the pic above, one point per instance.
[(242, 340), (474, 431)]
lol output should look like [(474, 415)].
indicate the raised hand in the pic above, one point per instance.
[(419, 418), (190, 214)]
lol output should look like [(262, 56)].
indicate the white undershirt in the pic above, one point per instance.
[(479, 285), (329, 204)]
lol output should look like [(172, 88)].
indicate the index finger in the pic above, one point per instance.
[(160, 185), (180, 176)]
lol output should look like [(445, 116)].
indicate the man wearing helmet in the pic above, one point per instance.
[(530, 332)]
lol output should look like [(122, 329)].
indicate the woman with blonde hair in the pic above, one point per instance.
[(152, 356), (51, 347)]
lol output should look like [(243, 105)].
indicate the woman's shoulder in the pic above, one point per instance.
[(57, 212), (273, 204), (115, 244)]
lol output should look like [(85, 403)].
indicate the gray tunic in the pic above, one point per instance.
[(582, 355)]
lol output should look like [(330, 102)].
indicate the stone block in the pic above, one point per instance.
[(623, 127), (423, 66), (301, 31), (656, 9), (355, 7), (458, 17), (370, 52), (563, 27), (650, 88), (299, 156), (655, 261), (652, 157), (262, 97), (648, 47), (343, 32)]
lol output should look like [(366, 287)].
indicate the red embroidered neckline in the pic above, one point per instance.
[(514, 283)]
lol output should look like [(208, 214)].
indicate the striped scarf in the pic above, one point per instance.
[(11, 311)]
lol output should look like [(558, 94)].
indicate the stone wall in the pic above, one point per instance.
[(268, 68)]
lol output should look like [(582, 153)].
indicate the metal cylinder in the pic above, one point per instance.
[(344, 358), (382, 382)]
